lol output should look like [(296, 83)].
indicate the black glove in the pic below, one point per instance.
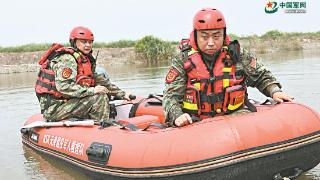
[(234, 50)]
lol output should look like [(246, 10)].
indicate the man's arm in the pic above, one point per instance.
[(175, 90), (112, 89), (261, 78), (65, 68), (258, 76)]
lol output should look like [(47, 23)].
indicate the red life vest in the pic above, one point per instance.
[(46, 77), (212, 92)]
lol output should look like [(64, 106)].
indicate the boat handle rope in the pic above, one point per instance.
[(155, 96), (104, 124), (156, 124), (269, 101), (131, 127), (297, 172)]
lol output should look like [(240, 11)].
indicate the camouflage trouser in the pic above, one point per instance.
[(93, 107)]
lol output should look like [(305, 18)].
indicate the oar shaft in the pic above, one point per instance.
[(60, 123)]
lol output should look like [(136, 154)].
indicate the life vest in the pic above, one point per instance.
[(212, 92), (46, 77)]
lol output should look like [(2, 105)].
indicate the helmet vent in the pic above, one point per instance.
[(81, 33), (219, 19), (214, 9), (202, 21)]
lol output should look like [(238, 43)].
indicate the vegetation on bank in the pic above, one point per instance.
[(151, 48), (116, 44), (25, 48), (154, 49), (276, 40)]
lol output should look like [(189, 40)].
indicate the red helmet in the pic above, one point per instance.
[(81, 33), (208, 18)]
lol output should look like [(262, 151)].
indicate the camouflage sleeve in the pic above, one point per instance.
[(258, 76), (115, 90), (112, 89), (65, 68), (175, 89)]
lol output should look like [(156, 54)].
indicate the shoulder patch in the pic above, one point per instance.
[(171, 76), (66, 73)]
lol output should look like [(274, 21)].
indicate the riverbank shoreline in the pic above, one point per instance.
[(27, 61)]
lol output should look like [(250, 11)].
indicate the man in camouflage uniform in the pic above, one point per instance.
[(209, 36), (79, 100)]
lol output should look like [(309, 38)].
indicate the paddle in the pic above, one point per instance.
[(57, 124), (118, 102)]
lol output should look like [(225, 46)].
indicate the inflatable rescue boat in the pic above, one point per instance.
[(277, 141)]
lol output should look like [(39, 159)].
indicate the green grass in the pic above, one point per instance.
[(116, 44), (154, 49), (26, 48), (43, 47), (274, 38)]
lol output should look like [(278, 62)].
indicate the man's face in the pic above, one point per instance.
[(209, 41), (84, 46)]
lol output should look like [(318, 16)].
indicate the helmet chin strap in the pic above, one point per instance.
[(203, 54), (196, 39), (73, 45), (224, 35)]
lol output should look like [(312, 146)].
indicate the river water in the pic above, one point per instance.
[(299, 73)]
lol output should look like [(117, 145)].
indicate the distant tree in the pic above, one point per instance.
[(274, 34), (154, 49)]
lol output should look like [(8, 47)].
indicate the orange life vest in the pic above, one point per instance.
[(46, 77), (212, 92)]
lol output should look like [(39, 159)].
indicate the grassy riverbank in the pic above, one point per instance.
[(42, 47), (151, 49), (279, 41), (272, 40)]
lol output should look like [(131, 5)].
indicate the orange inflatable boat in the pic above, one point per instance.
[(278, 141)]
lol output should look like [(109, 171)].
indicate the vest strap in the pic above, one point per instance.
[(49, 87), (216, 78), (212, 98), (212, 113), (47, 76)]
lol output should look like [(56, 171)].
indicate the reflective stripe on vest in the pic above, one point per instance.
[(190, 106), (234, 107), (226, 82)]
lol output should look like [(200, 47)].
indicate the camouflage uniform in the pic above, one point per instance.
[(256, 76), (80, 102)]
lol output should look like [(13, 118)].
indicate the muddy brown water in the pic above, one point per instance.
[(299, 73)]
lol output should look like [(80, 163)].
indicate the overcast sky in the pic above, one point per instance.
[(41, 21)]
